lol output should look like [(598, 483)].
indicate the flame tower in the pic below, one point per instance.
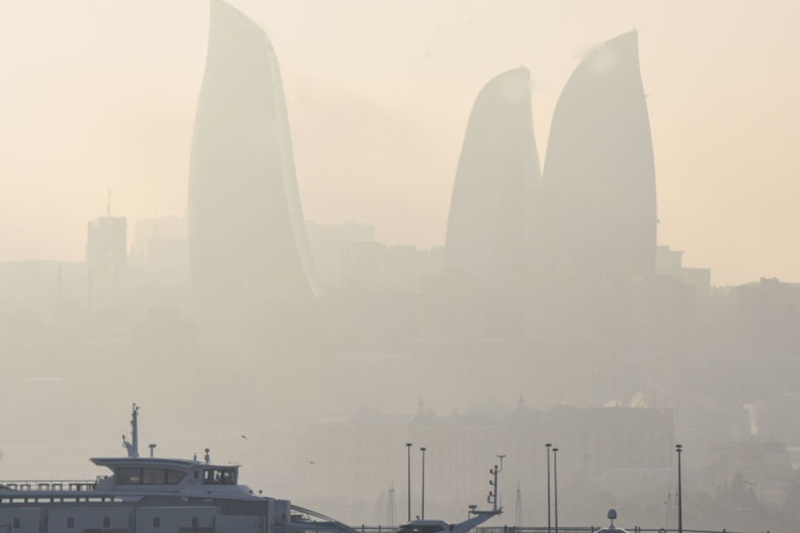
[(491, 212), (599, 187), (248, 246)]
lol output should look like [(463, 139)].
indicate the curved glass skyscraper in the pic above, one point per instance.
[(488, 230), (248, 246), (599, 176), (600, 190)]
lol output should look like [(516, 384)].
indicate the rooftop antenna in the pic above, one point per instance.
[(152, 449), (518, 508), (493, 495), (208, 455), (133, 446)]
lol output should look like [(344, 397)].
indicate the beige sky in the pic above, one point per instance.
[(101, 93)]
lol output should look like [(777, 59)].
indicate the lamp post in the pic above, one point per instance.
[(555, 485), (548, 445), (423, 449), (679, 449), (408, 449)]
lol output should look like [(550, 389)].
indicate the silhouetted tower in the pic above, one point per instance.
[(106, 251), (600, 192), (498, 178), (247, 240), (391, 507)]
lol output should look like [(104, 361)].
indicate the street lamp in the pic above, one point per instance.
[(548, 445), (408, 449), (679, 449), (555, 484), (423, 449)]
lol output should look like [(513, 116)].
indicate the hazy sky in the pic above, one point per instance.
[(101, 93)]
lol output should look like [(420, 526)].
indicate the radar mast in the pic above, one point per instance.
[(133, 446)]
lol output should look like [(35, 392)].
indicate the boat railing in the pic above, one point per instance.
[(545, 529), (28, 485)]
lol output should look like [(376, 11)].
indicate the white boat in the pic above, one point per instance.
[(150, 495)]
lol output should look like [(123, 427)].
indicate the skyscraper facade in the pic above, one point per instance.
[(599, 187), (248, 246), (491, 213)]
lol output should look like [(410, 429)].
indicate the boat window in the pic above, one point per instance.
[(70, 522), (149, 476), (154, 476), (174, 477), (220, 476), (129, 476)]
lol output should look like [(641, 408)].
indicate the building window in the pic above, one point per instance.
[(17, 524), (106, 522), (195, 523), (70, 522), (156, 522)]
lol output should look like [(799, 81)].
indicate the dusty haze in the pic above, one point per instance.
[(336, 227)]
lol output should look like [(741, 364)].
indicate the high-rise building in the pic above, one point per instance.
[(490, 222), (249, 253), (106, 251), (599, 190)]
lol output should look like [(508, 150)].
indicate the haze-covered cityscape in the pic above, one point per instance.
[(369, 283)]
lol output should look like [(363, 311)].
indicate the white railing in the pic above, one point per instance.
[(29, 485)]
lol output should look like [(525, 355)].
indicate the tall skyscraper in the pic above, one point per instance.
[(491, 213), (599, 186), (106, 251), (248, 247)]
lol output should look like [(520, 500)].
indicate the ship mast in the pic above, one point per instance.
[(133, 446)]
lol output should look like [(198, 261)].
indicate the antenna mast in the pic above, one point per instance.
[(133, 446), (493, 495), (391, 506)]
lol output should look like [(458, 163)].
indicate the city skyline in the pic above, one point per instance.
[(154, 154), (428, 223)]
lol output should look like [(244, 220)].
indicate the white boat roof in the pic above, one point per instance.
[(158, 462)]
